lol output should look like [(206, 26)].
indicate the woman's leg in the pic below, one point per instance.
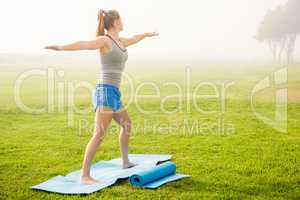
[(102, 120), (122, 118)]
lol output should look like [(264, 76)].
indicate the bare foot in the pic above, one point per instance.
[(88, 180), (128, 165)]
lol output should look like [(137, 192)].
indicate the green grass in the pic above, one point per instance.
[(254, 162)]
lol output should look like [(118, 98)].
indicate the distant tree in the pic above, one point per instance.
[(279, 29), (272, 32), (293, 27)]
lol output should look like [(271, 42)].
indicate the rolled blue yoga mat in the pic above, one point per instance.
[(156, 176)]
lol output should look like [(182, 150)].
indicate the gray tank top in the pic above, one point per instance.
[(113, 64)]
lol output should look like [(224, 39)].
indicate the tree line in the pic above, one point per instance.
[(279, 30)]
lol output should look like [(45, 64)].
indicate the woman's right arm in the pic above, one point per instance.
[(98, 43)]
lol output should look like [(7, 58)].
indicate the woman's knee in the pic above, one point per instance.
[(126, 129), (127, 126), (99, 133)]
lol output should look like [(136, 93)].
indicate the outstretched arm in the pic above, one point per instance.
[(136, 38), (98, 43)]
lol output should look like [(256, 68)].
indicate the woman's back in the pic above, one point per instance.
[(113, 64)]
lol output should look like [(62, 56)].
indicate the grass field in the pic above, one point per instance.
[(249, 160)]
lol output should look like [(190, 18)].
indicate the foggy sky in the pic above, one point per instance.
[(190, 29)]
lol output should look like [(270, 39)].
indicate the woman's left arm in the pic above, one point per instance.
[(136, 38)]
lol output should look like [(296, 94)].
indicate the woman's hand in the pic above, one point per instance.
[(54, 47), (151, 34)]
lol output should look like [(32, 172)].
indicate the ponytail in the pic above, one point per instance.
[(100, 29), (106, 20)]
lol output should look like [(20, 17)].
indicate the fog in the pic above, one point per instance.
[(189, 30)]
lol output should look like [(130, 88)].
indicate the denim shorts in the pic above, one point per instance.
[(106, 95)]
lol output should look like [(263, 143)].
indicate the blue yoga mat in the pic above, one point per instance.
[(107, 172), (156, 176)]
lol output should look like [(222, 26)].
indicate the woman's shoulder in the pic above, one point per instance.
[(107, 43), (104, 38)]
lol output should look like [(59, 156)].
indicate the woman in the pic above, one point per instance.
[(107, 102)]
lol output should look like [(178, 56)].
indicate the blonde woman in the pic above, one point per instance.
[(107, 97)]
